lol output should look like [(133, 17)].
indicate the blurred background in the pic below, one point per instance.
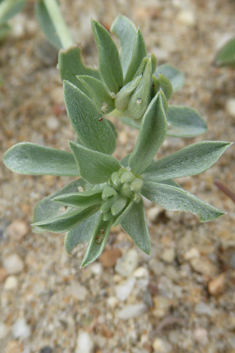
[(182, 298)]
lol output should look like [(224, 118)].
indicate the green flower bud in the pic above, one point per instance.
[(164, 83), (127, 177), (118, 206), (123, 96), (126, 191), (108, 192), (136, 185)]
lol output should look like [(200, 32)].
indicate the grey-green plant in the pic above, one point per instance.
[(226, 54), (108, 192)]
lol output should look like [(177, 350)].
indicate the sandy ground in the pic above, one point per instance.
[(183, 295)]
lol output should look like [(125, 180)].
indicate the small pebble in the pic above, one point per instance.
[(191, 253), (108, 258), (96, 268), (3, 330), (52, 123), (57, 95), (203, 266), (21, 329), (201, 335), (17, 230), (168, 255), (230, 107), (141, 272), (156, 266), (3, 274), (131, 311), (124, 289), (186, 17), (13, 264), (85, 343), (153, 212), (232, 261), (203, 309), (161, 306), (112, 302), (216, 286), (123, 137), (46, 350), (171, 273), (11, 283), (77, 291), (127, 264), (161, 346)]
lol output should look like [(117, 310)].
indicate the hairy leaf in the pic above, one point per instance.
[(29, 158), (176, 199), (191, 160), (139, 52), (9, 8), (152, 134), (95, 167), (135, 225), (174, 75), (109, 61), (80, 199), (97, 241), (66, 221), (85, 119), (102, 98), (226, 55), (5, 30), (81, 233), (125, 30)]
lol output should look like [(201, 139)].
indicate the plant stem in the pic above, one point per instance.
[(58, 22)]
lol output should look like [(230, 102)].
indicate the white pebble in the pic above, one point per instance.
[(168, 255), (201, 335), (124, 289), (3, 330), (203, 309), (127, 264), (161, 346), (52, 123), (186, 17), (85, 343), (112, 302), (131, 311), (57, 95), (191, 253), (78, 291), (13, 264), (96, 268), (11, 283), (141, 272), (230, 107), (153, 212), (21, 329), (17, 230)]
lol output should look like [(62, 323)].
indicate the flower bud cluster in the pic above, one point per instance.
[(123, 187)]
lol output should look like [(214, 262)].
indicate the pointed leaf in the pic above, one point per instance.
[(70, 65), (135, 225), (123, 96), (184, 122), (226, 55), (29, 158), (139, 52), (174, 75), (97, 241), (109, 62), (85, 118), (46, 208), (9, 8), (66, 221), (81, 233), (175, 199), (191, 160), (80, 199), (151, 135), (102, 98), (125, 30), (170, 182), (123, 214), (95, 167)]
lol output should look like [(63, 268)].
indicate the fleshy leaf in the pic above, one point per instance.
[(5, 30), (164, 83), (184, 122), (80, 199), (123, 96), (81, 233), (29, 158), (169, 182), (125, 30), (104, 101), (139, 52), (95, 167), (152, 134), (85, 119), (174, 75), (226, 55), (46, 208), (109, 62), (9, 8), (123, 214), (70, 65), (97, 241), (66, 221), (135, 225), (176, 199), (191, 160)]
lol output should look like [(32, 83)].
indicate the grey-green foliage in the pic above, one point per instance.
[(129, 79), (226, 55), (109, 192)]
